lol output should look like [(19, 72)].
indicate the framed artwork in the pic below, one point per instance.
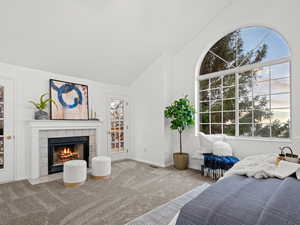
[(71, 101)]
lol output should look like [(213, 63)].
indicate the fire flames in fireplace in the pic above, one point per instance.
[(67, 154), (63, 149)]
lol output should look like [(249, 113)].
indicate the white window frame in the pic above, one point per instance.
[(237, 71)]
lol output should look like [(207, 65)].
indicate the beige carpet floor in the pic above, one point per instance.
[(133, 190)]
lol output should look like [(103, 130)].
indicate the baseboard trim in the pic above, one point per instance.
[(150, 163)]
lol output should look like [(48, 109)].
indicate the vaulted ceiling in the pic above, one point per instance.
[(110, 41)]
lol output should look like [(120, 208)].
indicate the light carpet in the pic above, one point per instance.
[(165, 213), (134, 189)]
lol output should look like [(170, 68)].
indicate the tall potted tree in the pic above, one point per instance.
[(181, 114)]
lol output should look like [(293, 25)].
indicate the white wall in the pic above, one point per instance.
[(274, 14), (148, 96), (29, 85)]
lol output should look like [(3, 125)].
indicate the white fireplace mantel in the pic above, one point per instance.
[(64, 124), (35, 126)]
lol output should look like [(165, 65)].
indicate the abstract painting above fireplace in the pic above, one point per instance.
[(71, 101), (63, 149)]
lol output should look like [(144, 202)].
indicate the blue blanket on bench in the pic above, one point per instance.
[(219, 162)]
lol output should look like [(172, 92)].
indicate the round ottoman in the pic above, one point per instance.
[(74, 173), (101, 167)]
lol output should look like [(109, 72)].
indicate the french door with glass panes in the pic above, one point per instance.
[(118, 128), (6, 130)]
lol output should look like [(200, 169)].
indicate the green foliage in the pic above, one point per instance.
[(181, 113), (43, 102)]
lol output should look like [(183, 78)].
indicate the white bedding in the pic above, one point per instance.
[(264, 166)]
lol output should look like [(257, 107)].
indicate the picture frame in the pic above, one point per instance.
[(71, 100)]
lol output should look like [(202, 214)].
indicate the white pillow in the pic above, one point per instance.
[(207, 141), (222, 148)]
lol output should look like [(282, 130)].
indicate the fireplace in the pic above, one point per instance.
[(63, 149)]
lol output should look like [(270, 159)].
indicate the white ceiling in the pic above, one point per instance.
[(110, 41)]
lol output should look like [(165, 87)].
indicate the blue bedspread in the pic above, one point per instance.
[(238, 200)]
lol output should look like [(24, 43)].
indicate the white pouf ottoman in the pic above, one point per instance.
[(75, 172), (101, 167)]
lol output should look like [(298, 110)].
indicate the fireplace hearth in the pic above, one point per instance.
[(63, 149)]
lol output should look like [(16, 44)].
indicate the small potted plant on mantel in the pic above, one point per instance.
[(41, 105), (181, 113)]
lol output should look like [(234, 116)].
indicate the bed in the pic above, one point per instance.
[(239, 200), (243, 200)]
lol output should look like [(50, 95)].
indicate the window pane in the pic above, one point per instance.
[(229, 129), (204, 117), (204, 84), (245, 129), (212, 64), (204, 96), (251, 37), (245, 91), (229, 80), (280, 70), (216, 105), (229, 104), (205, 128), (276, 47), (261, 102), (245, 117), (262, 130), (261, 74), (280, 85), (270, 44), (228, 117), (224, 48), (280, 101), (204, 106), (262, 116), (215, 82), (280, 115), (244, 46), (216, 128), (245, 103), (229, 92), (245, 78), (261, 88), (216, 117), (215, 94), (2, 127), (280, 130)]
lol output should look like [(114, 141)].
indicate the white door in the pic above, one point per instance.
[(118, 127), (6, 130)]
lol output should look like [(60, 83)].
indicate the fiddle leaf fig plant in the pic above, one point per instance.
[(181, 114)]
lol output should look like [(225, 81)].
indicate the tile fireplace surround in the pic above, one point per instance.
[(41, 130)]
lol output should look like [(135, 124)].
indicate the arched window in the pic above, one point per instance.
[(244, 85)]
